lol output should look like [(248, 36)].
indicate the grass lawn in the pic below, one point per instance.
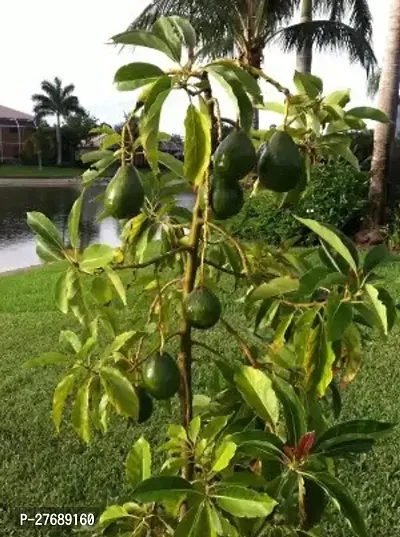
[(34, 171), (39, 469)]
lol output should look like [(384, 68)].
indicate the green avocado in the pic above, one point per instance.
[(280, 167), (234, 158), (226, 201), (202, 308), (145, 404), (161, 376), (124, 195)]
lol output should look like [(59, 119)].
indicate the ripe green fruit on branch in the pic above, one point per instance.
[(161, 376), (202, 308), (145, 404), (234, 158), (280, 167), (124, 195), (226, 201)]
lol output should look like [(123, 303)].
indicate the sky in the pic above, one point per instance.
[(47, 38)]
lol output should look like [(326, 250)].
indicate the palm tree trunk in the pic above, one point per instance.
[(59, 141), (388, 99), (304, 55)]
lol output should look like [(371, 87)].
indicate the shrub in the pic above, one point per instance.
[(337, 195)]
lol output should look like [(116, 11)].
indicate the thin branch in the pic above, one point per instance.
[(223, 269), (207, 347), (242, 344), (154, 260), (235, 244)]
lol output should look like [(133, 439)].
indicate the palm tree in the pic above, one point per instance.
[(388, 99), (243, 28), (57, 101)]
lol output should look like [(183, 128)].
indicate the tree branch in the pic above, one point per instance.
[(223, 269), (242, 344), (154, 260)]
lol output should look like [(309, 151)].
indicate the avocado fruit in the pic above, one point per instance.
[(202, 308), (234, 158), (145, 404), (280, 167), (124, 196), (161, 376), (226, 201)]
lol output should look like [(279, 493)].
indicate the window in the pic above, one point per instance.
[(13, 130)]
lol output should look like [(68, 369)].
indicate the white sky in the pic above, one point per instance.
[(48, 38)]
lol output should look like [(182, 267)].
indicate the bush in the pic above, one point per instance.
[(337, 195)]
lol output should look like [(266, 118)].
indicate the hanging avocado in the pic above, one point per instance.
[(280, 166), (234, 158), (202, 308), (124, 195), (145, 404), (226, 201), (161, 376)]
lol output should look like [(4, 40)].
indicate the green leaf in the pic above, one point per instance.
[(318, 360), (48, 358), (379, 308), (120, 392), (370, 428), (72, 339), (117, 283), (165, 30), (101, 290), (309, 84), (185, 30), (197, 522), (264, 451), (243, 502), (252, 435), (80, 412), (269, 106), (235, 89), (311, 280), (391, 311), (337, 492), (376, 256), (112, 513), (276, 287), (293, 410), (73, 222), (47, 252), (256, 389), (367, 112), (96, 256), (331, 238), (338, 317), (138, 463), (194, 429), (164, 488), (345, 152), (65, 289), (340, 98), (172, 163), (229, 71), (344, 446), (150, 121), (63, 390), (47, 231), (143, 38), (197, 144), (214, 427), (223, 456), (135, 75), (93, 156), (97, 169)]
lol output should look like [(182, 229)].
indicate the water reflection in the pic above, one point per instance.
[(17, 242)]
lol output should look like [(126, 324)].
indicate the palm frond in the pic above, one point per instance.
[(373, 83), (332, 35), (67, 90), (357, 11)]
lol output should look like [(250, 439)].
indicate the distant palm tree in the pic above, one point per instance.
[(57, 101), (388, 100), (243, 28)]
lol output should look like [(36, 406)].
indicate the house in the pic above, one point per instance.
[(15, 128)]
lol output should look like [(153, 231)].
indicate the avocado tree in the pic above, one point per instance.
[(260, 457)]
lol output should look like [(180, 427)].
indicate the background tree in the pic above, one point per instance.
[(76, 131), (388, 98), (243, 28), (40, 144), (58, 101)]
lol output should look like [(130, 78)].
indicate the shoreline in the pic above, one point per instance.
[(40, 181)]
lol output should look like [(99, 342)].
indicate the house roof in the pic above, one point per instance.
[(10, 113)]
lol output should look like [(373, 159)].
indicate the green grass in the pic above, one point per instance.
[(34, 172), (39, 469)]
